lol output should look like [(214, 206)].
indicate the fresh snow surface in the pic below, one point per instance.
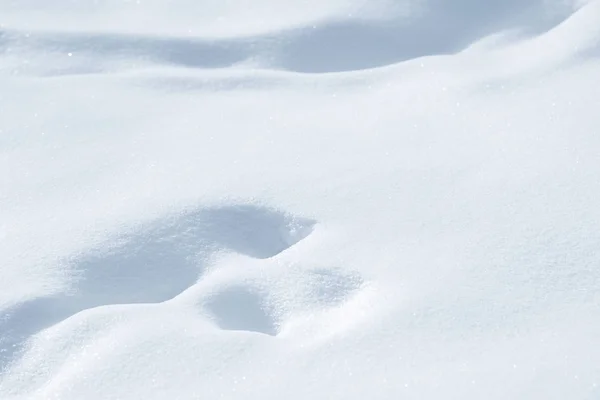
[(293, 199)]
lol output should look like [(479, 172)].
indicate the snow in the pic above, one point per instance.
[(290, 199)]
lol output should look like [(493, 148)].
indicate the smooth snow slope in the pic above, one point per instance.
[(341, 199)]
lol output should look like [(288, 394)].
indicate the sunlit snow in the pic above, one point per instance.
[(292, 199)]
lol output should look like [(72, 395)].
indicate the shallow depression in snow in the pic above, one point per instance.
[(157, 261)]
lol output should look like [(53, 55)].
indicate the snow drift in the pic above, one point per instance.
[(345, 199)]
